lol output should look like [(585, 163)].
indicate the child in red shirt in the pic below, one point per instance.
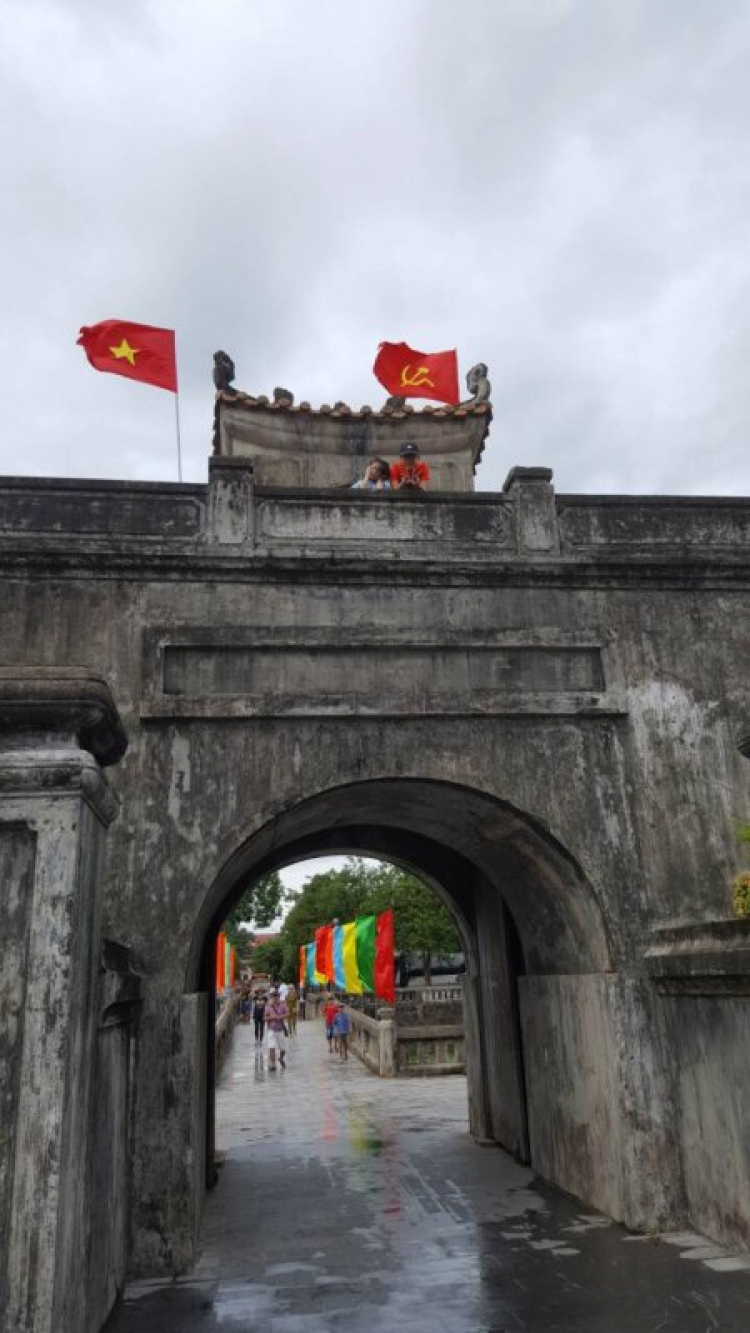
[(329, 1014), (409, 470)]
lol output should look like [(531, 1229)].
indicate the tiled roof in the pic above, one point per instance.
[(438, 412)]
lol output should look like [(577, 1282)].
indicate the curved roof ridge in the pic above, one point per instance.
[(436, 411)]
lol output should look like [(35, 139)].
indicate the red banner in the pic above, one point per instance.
[(417, 374), (137, 351), (384, 969), (324, 952)]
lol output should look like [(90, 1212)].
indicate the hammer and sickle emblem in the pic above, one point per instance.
[(421, 376)]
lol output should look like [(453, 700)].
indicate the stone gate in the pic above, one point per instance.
[(536, 701)]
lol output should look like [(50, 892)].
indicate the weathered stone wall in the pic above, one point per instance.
[(708, 1039), (520, 694), (64, 1150), (576, 1135)]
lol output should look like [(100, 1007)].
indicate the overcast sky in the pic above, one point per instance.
[(560, 188)]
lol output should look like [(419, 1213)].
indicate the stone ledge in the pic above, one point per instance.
[(61, 701), (431, 1032), (708, 958), (57, 773)]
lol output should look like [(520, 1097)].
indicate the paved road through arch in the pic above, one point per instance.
[(357, 1204)]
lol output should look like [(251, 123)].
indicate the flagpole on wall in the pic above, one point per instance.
[(177, 425)]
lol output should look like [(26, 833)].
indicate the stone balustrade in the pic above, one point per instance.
[(226, 1018), (415, 1037)]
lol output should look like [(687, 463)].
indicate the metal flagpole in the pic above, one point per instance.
[(177, 424)]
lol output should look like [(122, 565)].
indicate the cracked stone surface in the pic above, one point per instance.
[(352, 1203)]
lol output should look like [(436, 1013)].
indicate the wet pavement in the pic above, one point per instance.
[(350, 1204)]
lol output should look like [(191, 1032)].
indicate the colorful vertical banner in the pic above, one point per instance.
[(339, 976), (384, 983), (302, 965), (311, 964), (357, 957), (220, 955), (365, 929), (232, 965), (227, 962), (352, 983), (324, 952)]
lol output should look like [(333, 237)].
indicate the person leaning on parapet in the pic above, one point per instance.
[(409, 470), (377, 477)]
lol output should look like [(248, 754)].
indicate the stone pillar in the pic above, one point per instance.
[(386, 1042), (535, 516), (230, 502), (56, 730)]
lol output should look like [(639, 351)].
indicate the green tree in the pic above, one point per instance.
[(259, 905), (422, 924), (268, 957)]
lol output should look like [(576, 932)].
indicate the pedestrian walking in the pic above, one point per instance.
[(329, 1015), (291, 1004), (259, 1014), (276, 1013), (342, 1027)]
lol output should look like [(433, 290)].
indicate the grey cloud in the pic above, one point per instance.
[(560, 189)]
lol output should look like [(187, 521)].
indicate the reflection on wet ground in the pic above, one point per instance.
[(357, 1204)]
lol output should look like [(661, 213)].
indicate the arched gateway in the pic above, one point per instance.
[(534, 700)]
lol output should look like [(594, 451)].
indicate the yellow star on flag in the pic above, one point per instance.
[(125, 352)]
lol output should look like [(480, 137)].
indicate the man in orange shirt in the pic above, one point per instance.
[(409, 470)]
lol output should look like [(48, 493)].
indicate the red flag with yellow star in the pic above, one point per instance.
[(417, 374), (137, 351)]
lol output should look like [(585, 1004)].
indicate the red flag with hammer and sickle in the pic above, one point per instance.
[(417, 374)]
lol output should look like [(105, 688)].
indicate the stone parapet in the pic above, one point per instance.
[(237, 527)]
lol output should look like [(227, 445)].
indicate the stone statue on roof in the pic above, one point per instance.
[(223, 372), (394, 403), (478, 384)]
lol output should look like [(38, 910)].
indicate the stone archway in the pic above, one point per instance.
[(505, 879)]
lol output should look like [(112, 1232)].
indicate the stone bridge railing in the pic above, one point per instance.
[(374, 1040), (227, 1014), (422, 1035)]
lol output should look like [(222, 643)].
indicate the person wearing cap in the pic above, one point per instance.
[(409, 470)]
